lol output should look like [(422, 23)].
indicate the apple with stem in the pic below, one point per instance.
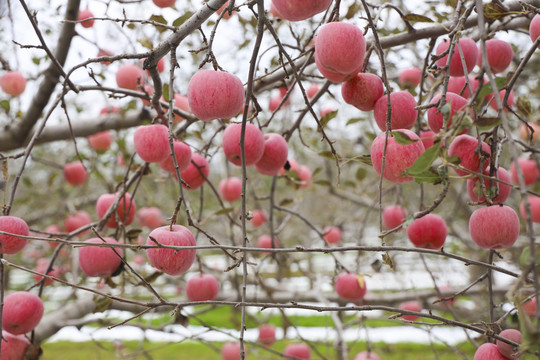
[(13, 83), (202, 287), (11, 244), (428, 232), (98, 261), (171, 261), (22, 312)]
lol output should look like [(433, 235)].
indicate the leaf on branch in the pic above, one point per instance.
[(352, 11), (102, 303), (5, 104), (146, 42), (493, 12), (165, 92), (487, 123), (286, 202), (328, 155), (429, 176), (486, 88), (360, 174), (524, 105), (424, 161), (454, 159), (224, 211), (416, 18), (323, 182), (402, 138), (327, 117), (159, 19), (354, 120), (182, 19), (387, 260)]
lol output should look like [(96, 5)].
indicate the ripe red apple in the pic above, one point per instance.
[(125, 211), (227, 15), (340, 47), (312, 90), (475, 191), (304, 175), (412, 305), (494, 227), (428, 232), (13, 83), (507, 349), (75, 173), (265, 242), (182, 153), (215, 94), (86, 14), (160, 66), (499, 55), (13, 346), (534, 27), (297, 351), (99, 261), (192, 175), (109, 110), (530, 307), (41, 266), (274, 155), (350, 286), (130, 77), (230, 188), (398, 157), (254, 144), (488, 351), (152, 142), (458, 85), (149, 217), (529, 169), (22, 312), (180, 102), (530, 132), (436, 119), (502, 93), (259, 217), (362, 91), (464, 146), (296, 10), (470, 54), (332, 234), (164, 3), (393, 216), (410, 78), (105, 52), (367, 355), (76, 221), (267, 334), (428, 138), (335, 76), (231, 351), (11, 244), (403, 110), (534, 202), (171, 261), (202, 287), (100, 141)]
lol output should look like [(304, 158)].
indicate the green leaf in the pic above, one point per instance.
[(361, 174), (429, 176), (486, 88), (424, 161), (285, 202), (182, 19), (524, 105), (166, 91), (5, 104), (161, 20), (402, 138), (146, 42), (493, 12), (323, 182), (327, 154), (327, 117), (454, 159), (354, 120), (415, 18), (36, 60), (487, 123), (130, 26), (224, 211), (353, 10)]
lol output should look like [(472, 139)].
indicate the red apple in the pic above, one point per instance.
[(152, 142), (470, 54), (458, 85), (350, 286), (130, 77), (393, 216), (312, 90), (296, 10), (410, 78), (41, 266), (254, 144), (499, 55), (534, 202), (304, 174), (227, 15), (192, 175), (13, 346), (534, 27), (99, 261), (488, 351), (428, 138), (530, 307), (171, 261), (529, 169), (22, 312), (403, 110), (274, 155), (149, 217), (332, 234), (105, 52), (334, 76), (76, 221), (230, 189), (362, 91), (502, 93), (412, 305), (436, 120), (428, 232), (465, 148), (13, 83), (494, 227), (86, 14), (367, 355), (231, 351), (100, 141), (182, 153), (298, 351), (529, 132), (507, 349), (125, 211), (202, 287), (265, 242), (164, 3), (75, 173), (259, 217), (267, 334), (475, 191), (11, 244)]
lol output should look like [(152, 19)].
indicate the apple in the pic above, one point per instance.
[(231, 351), (334, 76), (470, 54), (11, 244), (410, 78), (475, 191), (227, 15), (332, 234), (465, 148), (488, 351), (215, 94), (164, 3), (76, 221), (42, 265), (296, 10), (367, 355), (86, 14), (312, 90), (393, 216), (258, 217), (398, 157), (362, 91), (499, 55), (529, 169), (100, 261), (13, 346), (254, 144), (130, 77), (340, 47), (530, 307), (267, 334), (160, 66), (109, 110), (534, 202), (171, 261), (22, 312), (458, 85), (180, 102), (502, 93), (297, 351), (75, 173), (428, 232), (494, 227), (149, 217), (304, 175), (412, 305), (182, 153), (100, 141), (125, 211), (265, 242), (507, 349), (428, 138), (534, 27), (350, 286), (436, 120), (202, 287), (529, 132), (230, 188), (403, 110), (274, 154), (13, 83), (152, 142), (105, 52), (192, 175)]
